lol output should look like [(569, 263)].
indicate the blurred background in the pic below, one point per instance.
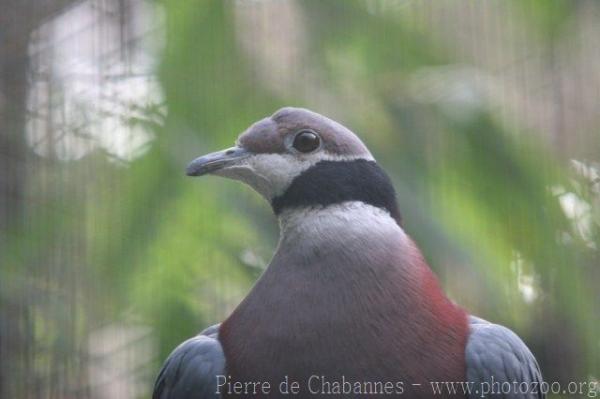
[(486, 115)]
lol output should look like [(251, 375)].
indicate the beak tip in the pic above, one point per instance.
[(210, 163), (192, 171), (195, 168)]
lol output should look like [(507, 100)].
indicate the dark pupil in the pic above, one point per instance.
[(306, 141)]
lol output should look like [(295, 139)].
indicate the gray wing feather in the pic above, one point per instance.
[(496, 354), (190, 370)]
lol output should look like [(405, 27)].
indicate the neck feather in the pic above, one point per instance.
[(336, 182), (340, 230)]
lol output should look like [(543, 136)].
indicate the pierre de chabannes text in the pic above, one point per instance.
[(319, 384)]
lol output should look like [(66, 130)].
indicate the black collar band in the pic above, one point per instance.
[(333, 182)]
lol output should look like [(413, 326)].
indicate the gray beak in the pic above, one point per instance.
[(217, 160)]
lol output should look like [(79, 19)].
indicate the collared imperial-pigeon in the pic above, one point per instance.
[(347, 307)]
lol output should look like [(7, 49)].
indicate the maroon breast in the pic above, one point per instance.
[(314, 326)]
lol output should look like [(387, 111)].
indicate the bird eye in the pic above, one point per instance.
[(306, 141)]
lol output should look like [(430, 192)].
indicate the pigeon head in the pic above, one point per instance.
[(299, 158)]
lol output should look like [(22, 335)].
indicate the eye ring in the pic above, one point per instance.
[(306, 141)]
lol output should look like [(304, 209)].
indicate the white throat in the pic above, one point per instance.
[(349, 223)]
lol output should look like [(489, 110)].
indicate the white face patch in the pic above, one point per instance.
[(271, 174)]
